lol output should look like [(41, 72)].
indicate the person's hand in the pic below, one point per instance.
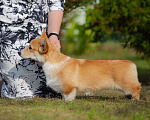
[(54, 40)]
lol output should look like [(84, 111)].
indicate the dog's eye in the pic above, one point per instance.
[(30, 47)]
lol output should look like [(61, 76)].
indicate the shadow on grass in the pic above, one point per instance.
[(129, 97), (117, 96)]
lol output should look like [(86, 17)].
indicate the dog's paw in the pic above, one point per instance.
[(71, 96), (89, 94), (68, 98)]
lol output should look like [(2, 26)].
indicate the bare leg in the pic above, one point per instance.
[(1, 83)]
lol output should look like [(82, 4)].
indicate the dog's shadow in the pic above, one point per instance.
[(103, 98)]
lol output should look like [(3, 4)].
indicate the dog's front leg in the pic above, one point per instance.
[(70, 96)]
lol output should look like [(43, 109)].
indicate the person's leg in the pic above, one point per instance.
[(1, 83), (22, 78)]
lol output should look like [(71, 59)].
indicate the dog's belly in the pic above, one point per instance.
[(55, 84)]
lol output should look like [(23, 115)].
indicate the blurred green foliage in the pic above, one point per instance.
[(72, 4), (76, 37), (76, 42), (125, 20), (130, 19)]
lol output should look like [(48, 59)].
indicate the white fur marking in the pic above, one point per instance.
[(52, 80), (71, 96), (39, 57), (88, 93)]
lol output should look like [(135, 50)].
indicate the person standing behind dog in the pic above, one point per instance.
[(20, 22)]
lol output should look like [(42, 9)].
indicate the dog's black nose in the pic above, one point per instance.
[(19, 53)]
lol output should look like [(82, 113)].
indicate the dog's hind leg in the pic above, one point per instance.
[(133, 89), (136, 91)]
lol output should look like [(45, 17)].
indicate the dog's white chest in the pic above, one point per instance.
[(51, 79)]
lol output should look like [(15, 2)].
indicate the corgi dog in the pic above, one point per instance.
[(68, 75)]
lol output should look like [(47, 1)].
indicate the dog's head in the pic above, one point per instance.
[(38, 49)]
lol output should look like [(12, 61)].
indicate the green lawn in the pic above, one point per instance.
[(108, 105), (104, 105)]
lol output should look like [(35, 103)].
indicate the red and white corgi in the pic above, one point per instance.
[(68, 75)]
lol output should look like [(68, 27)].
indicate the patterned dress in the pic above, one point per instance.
[(20, 22)]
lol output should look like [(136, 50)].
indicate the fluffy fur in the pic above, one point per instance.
[(68, 75)]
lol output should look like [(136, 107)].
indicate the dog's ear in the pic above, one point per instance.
[(43, 48), (44, 35)]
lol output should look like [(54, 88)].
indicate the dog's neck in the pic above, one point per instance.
[(54, 56)]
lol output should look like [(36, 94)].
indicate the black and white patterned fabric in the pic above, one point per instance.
[(20, 22)]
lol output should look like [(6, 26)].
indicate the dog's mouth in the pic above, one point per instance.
[(30, 56), (21, 55)]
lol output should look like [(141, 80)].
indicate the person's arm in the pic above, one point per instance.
[(55, 15), (1, 83), (54, 23)]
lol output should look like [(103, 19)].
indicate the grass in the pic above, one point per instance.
[(106, 104)]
